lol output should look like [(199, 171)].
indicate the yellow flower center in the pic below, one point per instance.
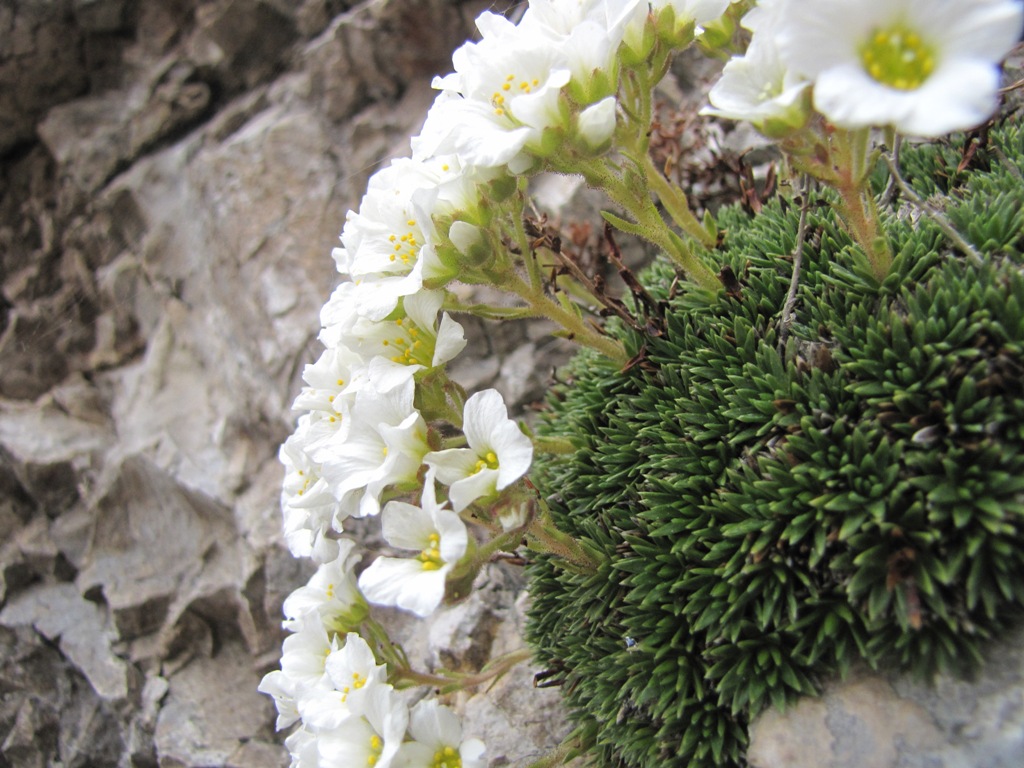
[(406, 247), (430, 557), (897, 56), (409, 348), (511, 86), (305, 483), (376, 747), (358, 681), (448, 757), (489, 461)]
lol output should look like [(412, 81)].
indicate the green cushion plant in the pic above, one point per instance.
[(799, 449), (776, 504)]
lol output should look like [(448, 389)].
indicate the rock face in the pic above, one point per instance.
[(173, 175), (870, 722)]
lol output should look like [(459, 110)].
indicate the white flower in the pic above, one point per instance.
[(331, 594), (372, 739), (354, 673), (437, 740), (384, 445), (416, 583), (307, 503), (390, 242), (339, 313), (304, 655), (596, 124), (494, 109), (924, 67), (284, 690), (303, 748), (395, 349), (763, 16), (759, 88), (498, 454), (589, 33), (335, 375)]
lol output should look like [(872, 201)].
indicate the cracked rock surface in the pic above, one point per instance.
[(173, 176), (172, 180)]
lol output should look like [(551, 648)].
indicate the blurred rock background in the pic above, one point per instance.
[(173, 176)]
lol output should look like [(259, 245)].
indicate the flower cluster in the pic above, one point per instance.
[(351, 716), (384, 431), (923, 68)]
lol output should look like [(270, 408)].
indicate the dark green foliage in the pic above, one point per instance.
[(773, 515)]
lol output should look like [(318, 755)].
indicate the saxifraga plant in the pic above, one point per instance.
[(776, 504)]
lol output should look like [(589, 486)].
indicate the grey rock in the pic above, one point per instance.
[(48, 449), (94, 137), (61, 614), (460, 637), (34, 363), (519, 722), (159, 550), (208, 716), (101, 15), (242, 41), (49, 714), (371, 52), (41, 57), (27, 556), (873, 722)]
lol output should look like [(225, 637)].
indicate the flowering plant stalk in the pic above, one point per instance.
[(383, 430)]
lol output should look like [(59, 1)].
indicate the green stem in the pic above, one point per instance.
[(507, 541), (859, 212), (522, 239), (489, 311), (453, 681), (553, 445), (857, 208), (385, 650), (649, 223), (542, 533), (674, 200), (575, 327)]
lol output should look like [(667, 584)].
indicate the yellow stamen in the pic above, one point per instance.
[(430, 557), (897, 57), (448, 757)]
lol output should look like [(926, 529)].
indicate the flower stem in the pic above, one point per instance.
[(648, 222), (857, 208), (385, 650), (503, 542), (554, 445), (576, 329), (674, 200), (798, 254), (449, 681), (544, 536), (522, 240)]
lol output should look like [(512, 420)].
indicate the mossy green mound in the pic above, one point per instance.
[(773, 512)]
